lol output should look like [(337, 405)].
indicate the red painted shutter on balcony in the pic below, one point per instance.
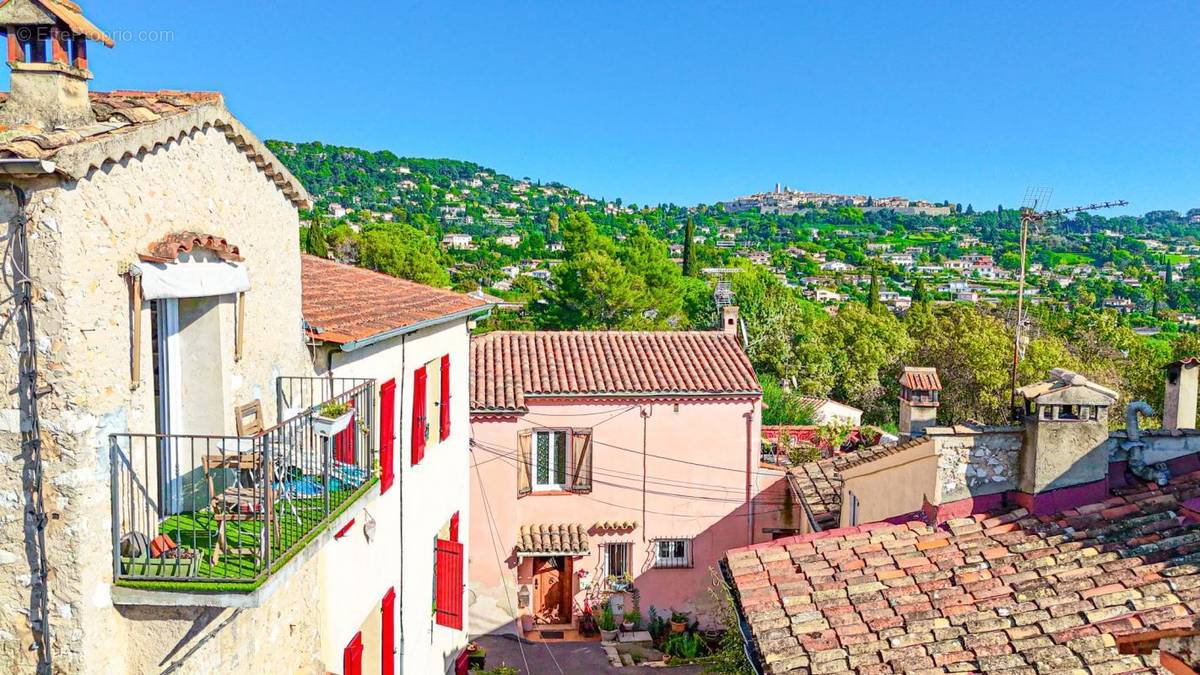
[(343, 443), (418, 416), (352, 656), (449, 584), (387, 435), (454, 527), (444, 408), (387, 655)]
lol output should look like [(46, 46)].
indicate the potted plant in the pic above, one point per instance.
[(630, 621), (476, 656), (331, 418), (607, 623), (679, 621), (621, 583)]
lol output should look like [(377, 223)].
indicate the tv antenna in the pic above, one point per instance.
[(1036, 198)]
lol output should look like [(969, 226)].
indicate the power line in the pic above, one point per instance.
[(501, 451), (516, 463), (493, 532)]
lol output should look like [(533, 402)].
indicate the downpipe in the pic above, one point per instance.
[(1140, 463)]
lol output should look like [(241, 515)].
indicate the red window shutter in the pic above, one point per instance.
[(352, 656), (387, 656), (343, 443), (387, 434), (444, 408), (418, 416), (449, 584), (454, 527)]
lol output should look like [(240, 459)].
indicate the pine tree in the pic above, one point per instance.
[(920, 295), (689, 249)]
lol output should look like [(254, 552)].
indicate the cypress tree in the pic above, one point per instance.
[(689, 249)]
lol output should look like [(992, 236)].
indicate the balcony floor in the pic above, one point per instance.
[(198, 531)]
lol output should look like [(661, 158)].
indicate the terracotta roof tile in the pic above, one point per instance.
[(129, 122), (169, 247), (508, 367), (561, 538), (344, 304), (921, 378), (991, 592)]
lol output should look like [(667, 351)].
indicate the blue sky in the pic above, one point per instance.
[(701, 101)]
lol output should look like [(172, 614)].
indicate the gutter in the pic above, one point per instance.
[(743, 624), (26, 167), (413, 327)]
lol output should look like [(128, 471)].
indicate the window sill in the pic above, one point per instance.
[(549, 493)]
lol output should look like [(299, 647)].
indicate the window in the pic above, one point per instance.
[(853, 509), (673, 553), (549, 460), (553, 460), (617, 559)]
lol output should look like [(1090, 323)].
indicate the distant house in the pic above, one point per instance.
[(967, 296), (836, 266), (759, 257), (513, 240), (827, 410), (1122, 305), (825, 295), (457, 241), (554, 246)]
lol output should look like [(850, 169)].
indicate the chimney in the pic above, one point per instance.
[(1179, 404), (47, 53), (729, 319), (919, 389), (1065, 442)]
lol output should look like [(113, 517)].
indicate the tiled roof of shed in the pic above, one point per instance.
[(131, 122), (819, 484), (1006, 592), (562, 538), (343, 303), (507, 367)]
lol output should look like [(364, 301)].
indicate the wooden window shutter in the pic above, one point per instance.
[(352, 656), (581, 460), (419, 430), (387, 646), (449, 584), (343, 443), (387, 435), (444, 407), (524, 462), (454, 527)]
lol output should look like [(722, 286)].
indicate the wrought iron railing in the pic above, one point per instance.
[(231, 508)]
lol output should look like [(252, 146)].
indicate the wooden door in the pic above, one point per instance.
[(552, 595)]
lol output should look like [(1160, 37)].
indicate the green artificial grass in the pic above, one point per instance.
[(244, 573)]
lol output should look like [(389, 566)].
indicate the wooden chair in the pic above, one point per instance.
[(240, 502), (248, 418)]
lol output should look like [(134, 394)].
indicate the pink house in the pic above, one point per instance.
[(607, 461)]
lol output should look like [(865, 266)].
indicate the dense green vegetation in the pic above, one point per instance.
[(608, 266)]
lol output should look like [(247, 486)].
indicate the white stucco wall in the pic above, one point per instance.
[(429, 493)]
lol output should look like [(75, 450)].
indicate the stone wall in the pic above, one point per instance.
[(976, 461), (82, 234)]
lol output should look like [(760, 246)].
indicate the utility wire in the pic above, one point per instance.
[(620, 475), (493, 532)]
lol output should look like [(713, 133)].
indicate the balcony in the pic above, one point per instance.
[(224, 513)]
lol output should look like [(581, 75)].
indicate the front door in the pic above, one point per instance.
[(552, 590)]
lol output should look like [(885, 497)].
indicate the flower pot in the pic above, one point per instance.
[(627, 626), (329, 426), (608, 635), (678, 626)]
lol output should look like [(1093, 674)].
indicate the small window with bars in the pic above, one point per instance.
[(670, 553), (617, 561)]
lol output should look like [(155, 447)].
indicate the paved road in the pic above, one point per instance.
[(561, 658)]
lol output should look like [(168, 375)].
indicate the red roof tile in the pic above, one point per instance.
[(168, 248), (508, 367), (1003, 591), (925, 379), (344, 304)]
